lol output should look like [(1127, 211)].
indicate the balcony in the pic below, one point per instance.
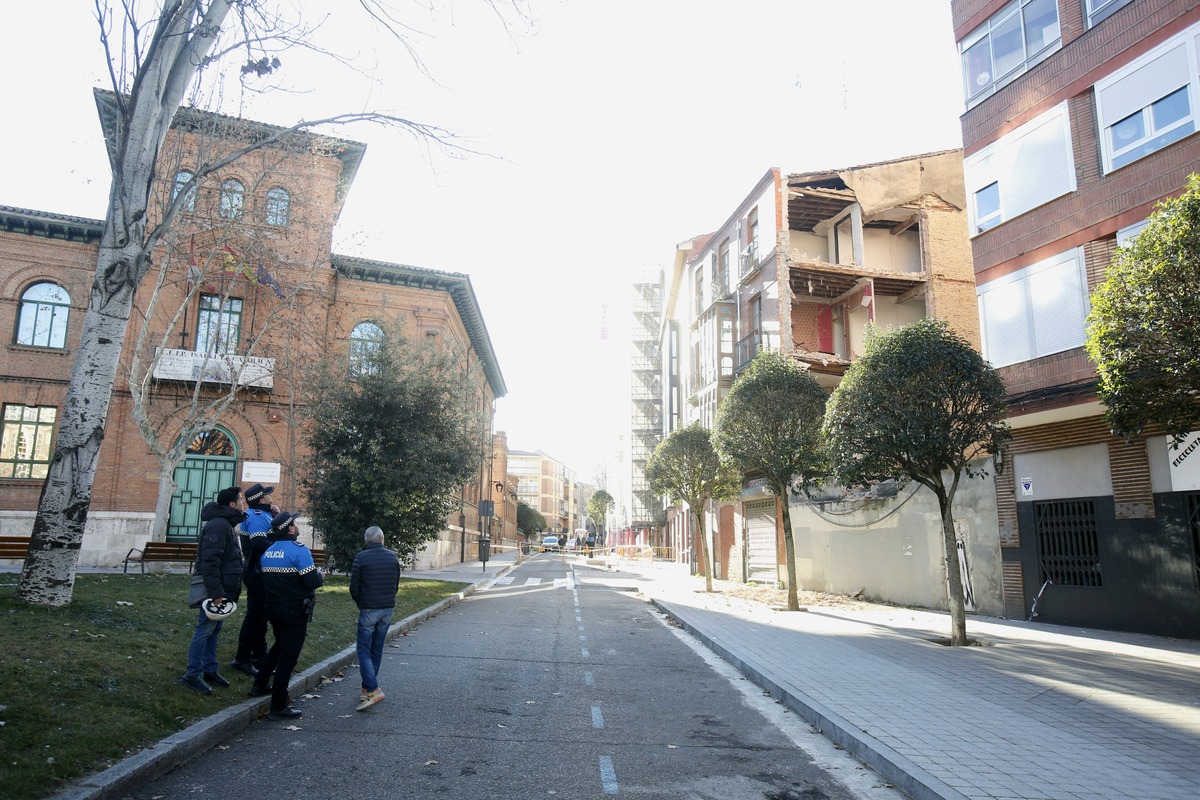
[(190, 366), (720, 287), (752, 345), (748, 260)]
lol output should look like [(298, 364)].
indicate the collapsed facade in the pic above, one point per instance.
[(803, 265)]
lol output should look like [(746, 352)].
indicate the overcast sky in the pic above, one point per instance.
[(614, 129)]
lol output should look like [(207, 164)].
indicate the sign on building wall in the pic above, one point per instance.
[(260, 472), (1184, 460)]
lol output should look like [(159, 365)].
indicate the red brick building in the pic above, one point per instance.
[(246, 275), (1080, 118)]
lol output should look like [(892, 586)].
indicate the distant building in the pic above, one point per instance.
[(547, 486)]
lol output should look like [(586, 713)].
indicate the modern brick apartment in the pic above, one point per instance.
[(1080, 117), (269, 296)]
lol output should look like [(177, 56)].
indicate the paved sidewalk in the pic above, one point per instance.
[(1039, 712)]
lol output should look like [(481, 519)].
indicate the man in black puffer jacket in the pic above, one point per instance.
[(374, 581), (219, 560)]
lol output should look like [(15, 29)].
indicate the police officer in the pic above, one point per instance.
[(290, 582), (256, 529)]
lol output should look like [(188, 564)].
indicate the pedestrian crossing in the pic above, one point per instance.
[(568, 582)]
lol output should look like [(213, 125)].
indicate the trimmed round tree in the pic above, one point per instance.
[(1143, 330), (769, 425), (920, 404), (686, 468)]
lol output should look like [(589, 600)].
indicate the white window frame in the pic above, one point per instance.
[(43, 316), (233, 199), (1024, 183), (984, 32), (1113, 105), (1126, 235), (1023, 289)]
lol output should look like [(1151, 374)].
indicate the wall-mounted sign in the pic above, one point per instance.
[(1184, 460), (260, 472), (1027, 487), (185, 365)]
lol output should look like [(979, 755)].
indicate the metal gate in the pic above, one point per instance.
[(761, 563), (210, 466)]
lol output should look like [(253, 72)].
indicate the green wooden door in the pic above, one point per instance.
[(210, 466)]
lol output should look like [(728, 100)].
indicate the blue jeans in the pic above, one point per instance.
[(202, 653), (373, 624)]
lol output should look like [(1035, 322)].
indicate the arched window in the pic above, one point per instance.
[(212, 443), (279, 206), (43, 318), (181, 180), (365, 342), (233, 197)]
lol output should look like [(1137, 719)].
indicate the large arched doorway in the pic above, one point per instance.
[(210, 466)]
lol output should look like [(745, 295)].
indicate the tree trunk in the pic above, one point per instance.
[(48, 577), (954, 588), (704, 548), (162, 507), (183, 36), (789, 551)]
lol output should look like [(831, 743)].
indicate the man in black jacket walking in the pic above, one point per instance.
[(219, 560), (374, 581)]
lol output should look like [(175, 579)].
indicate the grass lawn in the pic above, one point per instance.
[(84, 686)]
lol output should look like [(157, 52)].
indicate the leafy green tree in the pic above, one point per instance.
[(394, 434), (769, 425), (529, 520), (920, 404), (686, 468), (597, 510), (1142, 331)]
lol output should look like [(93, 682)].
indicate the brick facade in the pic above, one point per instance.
[(325, 296)]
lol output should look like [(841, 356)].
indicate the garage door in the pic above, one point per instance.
[(761, 565)]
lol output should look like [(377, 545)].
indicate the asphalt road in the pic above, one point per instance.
[(556, 681)]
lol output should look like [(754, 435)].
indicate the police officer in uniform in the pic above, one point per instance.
[(256, 530), (290, 582)]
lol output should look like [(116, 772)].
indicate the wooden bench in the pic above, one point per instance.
[(14, 546), (162, 551)]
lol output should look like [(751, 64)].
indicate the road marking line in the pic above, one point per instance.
[(597, 717), (503, 581), (585, 652), (589, 679), (532, 581), (608, 775), (582, 638)]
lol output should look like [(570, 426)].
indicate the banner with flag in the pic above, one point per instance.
[(265, 279)]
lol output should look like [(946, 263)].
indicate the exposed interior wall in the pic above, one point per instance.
[(887, 253), (892, 550)]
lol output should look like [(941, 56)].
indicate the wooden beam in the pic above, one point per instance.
[(912, 293), (903, 226)]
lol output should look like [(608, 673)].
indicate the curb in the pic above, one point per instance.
[(897, 770), (177, 749)]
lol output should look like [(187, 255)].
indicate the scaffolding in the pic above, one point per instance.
[(646, 397)]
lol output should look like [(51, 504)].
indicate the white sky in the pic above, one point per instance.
[(616, 129)]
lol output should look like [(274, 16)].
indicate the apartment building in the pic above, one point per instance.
[(547, 486), (250, 285), (804, 263), (1080, 117)]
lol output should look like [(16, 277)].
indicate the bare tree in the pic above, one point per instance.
[(153, 64)]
